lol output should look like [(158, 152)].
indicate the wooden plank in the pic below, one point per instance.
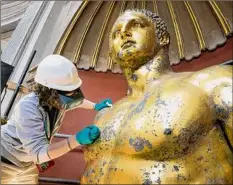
[(13, 86)]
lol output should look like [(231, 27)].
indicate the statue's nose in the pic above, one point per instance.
[(125, 34)]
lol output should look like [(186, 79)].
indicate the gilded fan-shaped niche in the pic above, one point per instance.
[(194, 27)]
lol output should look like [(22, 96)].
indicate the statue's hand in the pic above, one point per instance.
[(88, 135), (103, 104)]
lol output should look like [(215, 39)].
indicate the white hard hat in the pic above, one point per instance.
[(57, 72)]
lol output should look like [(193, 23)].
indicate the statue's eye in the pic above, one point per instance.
[(137, 25)]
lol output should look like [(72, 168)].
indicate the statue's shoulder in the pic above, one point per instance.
[(213, 72), (211, 77), (219, 69)]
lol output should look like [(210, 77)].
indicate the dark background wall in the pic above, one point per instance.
[(97, 86)]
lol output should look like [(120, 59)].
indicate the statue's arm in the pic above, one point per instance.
[(219, 85), (216, 81), (222, 97)]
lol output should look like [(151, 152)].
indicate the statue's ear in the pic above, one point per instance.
[(164, 40)]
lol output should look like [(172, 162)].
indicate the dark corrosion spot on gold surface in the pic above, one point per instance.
[(139, 108), (146, 178), (176, 168), (221, 111), (167, 131), (89, 172), (107, 133), (181, 177), (104, 163), (158, 180), (134, 77), (139, 144), (200, 158), (154, 133), (147, 181)]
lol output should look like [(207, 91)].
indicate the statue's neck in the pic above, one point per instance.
[(153, 70)]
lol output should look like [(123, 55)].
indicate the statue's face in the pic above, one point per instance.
[(133, 40)]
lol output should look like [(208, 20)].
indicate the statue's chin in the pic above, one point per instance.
[(125, 54), (132, 63), (129, 64), (132, 57), (127, 59)]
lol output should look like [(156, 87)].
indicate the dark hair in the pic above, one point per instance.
[(48, 98)]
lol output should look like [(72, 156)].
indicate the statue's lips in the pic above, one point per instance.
[(127, 44)]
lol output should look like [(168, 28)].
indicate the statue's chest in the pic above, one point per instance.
[(153, 121), (122, 117)]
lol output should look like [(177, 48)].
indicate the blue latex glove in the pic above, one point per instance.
[(102, 104), (88, 135)]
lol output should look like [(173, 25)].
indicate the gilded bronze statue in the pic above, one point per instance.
[(171, 128)]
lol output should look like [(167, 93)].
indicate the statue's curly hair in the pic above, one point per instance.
[(160, 25), (48, 98)]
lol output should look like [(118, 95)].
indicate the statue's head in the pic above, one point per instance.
[(136, 37)]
